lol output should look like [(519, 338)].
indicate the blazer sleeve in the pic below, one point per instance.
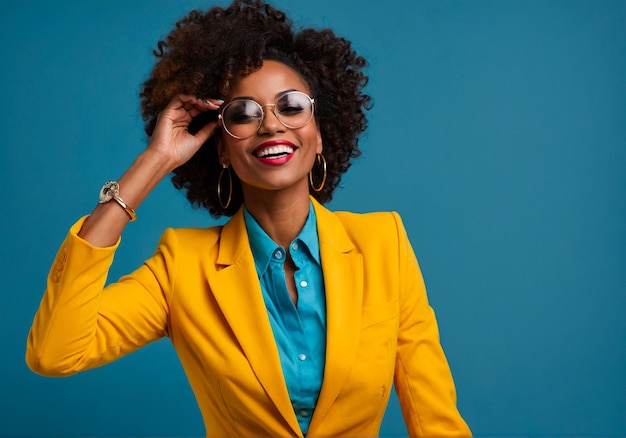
[(81, 324), (422, 376)]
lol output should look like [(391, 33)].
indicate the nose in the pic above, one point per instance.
[(270, 123)]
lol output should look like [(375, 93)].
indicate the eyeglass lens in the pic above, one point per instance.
[(242, 118)]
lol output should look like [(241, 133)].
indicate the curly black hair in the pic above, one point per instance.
[(207, 51)]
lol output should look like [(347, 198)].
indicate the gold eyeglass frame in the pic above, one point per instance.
[(262, 108)]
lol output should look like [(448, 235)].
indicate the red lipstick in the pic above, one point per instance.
[(274, 152)]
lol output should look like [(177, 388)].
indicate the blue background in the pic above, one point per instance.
[(498, 132)]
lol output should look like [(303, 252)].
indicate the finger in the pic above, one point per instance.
[(211, 103), (179, 101), (186, 101), (203, 105), (184, 108), (206, 131), (195, 106)]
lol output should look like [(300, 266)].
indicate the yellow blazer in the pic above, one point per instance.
[(201, 289)]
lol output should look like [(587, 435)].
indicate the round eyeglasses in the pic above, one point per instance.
[(242, 118)]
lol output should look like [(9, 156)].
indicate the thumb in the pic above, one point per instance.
[(206, 131)]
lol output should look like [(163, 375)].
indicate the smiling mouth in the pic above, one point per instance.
[(277, 151)]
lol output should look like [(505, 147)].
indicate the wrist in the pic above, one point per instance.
[(111, 192), (160, 164)]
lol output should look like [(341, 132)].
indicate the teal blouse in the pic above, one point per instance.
[(300, 332)]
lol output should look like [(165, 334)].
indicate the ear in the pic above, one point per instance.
[(222, 155), (320, 145)]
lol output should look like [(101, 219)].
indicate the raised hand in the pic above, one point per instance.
[(171, 146), (171, 137)]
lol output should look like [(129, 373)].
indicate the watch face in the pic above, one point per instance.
[(108, 191)]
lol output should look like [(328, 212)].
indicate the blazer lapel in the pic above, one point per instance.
[(342, 266), (238, 293)]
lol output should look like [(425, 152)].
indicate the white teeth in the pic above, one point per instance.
[(274, 150)]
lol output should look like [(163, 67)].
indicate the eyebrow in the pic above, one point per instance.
[(277, 95), (282, 93)]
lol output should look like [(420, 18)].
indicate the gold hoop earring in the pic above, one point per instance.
[(230, 187), (320, 159)]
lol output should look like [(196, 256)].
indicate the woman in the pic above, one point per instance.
[(290, 320)]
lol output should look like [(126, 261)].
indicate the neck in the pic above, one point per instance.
[(280, 213)]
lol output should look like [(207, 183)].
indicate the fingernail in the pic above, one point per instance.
[(220, 100)]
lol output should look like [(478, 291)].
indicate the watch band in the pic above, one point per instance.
[(111, 191)]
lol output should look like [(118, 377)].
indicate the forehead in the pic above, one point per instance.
[(266, 83)]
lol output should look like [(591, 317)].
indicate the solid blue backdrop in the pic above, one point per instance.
[(498, 132)]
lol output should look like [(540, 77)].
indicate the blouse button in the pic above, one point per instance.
[(304, 283), (302, 356)]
